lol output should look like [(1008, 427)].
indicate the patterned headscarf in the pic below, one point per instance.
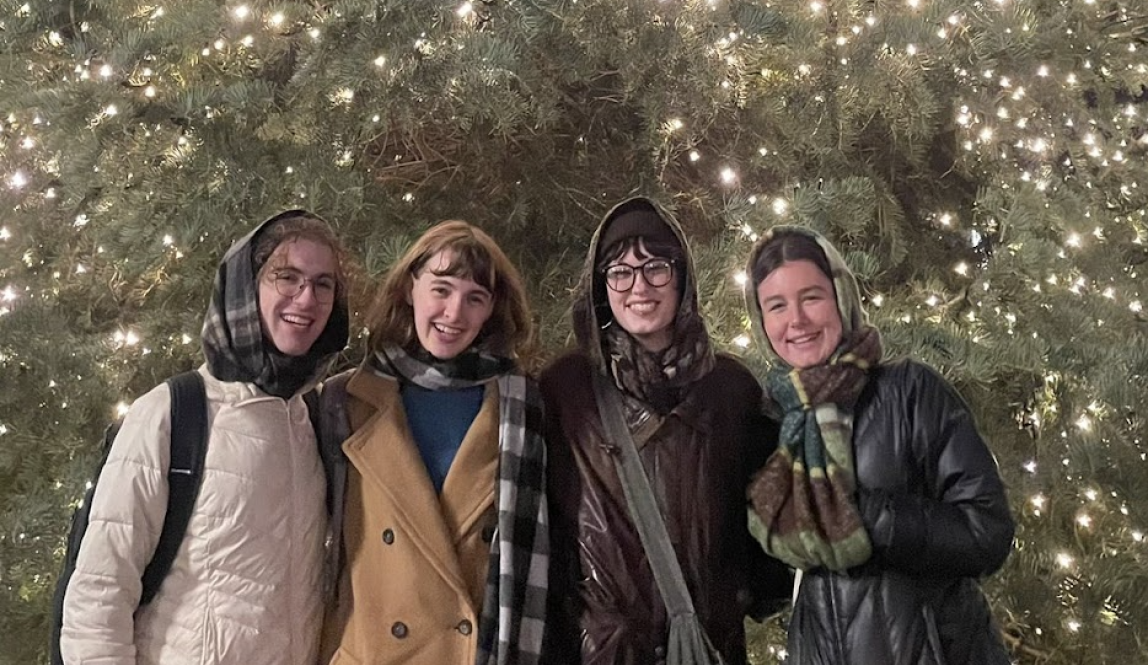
[(803, 509), (233, 341)]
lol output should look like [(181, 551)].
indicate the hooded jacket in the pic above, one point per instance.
[(932, 501), (244, 588), (605, 604)]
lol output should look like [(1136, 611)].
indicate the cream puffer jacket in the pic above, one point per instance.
[(245, 587)]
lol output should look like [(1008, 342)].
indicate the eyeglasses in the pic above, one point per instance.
[(290, 283), (656, 272)]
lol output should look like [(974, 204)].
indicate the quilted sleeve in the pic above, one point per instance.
[(961, 526), (127, 515)]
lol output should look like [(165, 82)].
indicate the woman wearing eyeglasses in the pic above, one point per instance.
[(694, 418)]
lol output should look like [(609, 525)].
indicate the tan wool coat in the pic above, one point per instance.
[(411, 587)]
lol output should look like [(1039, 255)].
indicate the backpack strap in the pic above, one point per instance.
[(188, 450)]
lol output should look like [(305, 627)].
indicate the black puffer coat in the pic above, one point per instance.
[(932, 500)]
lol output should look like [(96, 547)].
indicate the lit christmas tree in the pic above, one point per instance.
[(978, 162)]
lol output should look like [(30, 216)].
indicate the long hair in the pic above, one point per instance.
[(475, 256)]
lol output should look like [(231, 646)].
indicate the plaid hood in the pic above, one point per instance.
[(591, 307), (233, 340)]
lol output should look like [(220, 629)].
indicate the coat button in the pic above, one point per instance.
[(388, 536), (399, 630), (659, 652), (465, 627)]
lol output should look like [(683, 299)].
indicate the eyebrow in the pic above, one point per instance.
[(446, 280), (808, 289)]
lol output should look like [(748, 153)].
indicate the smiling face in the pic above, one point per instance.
[(646, 312), (293, 323), (799, 313), (449, 312)]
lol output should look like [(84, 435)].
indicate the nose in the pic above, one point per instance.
[(306, 294), (799, 315), (452, 307), (640, 283)]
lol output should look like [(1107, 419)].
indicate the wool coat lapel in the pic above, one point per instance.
[(463, 500), (384, 453)]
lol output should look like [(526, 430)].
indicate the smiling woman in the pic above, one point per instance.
[(694, 417), (440, 416), (882, 489)]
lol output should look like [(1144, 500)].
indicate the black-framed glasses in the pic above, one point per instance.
[(656, 272), (291, 283)]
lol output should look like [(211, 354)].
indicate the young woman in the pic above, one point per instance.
[(695, 419), (245, 587), (882, 490), (443, 527)]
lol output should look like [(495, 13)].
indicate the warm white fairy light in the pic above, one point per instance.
[(1138, 536), (344, 95), (106, 71), (149, 91), (877, 300), (728, 176), (741, 278), (465, 9), (241, 12), (248, 41), (1073, 240), (1084, 423), (381, 61), (1084, 520), (17, 180), (5, 234), (1090, 494), (675, 124), (122, 409), (1136, 306), (742, 341), (695, 155), (314, 33), (276, 19), (1073, 625), (780, 206), (1030, 466), (8, 294), (945, 219), (961, 269), (1064, 560)]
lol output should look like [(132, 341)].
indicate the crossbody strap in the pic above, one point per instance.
[(642, 502)]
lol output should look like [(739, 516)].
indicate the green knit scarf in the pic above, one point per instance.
[(803, 509)]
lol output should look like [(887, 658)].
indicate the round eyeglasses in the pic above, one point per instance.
[(621, 276), (290, 283)]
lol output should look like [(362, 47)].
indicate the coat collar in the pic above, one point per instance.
[(383, 451)]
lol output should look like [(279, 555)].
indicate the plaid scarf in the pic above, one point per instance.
[(233, 340), (802, 499), (514, 606)]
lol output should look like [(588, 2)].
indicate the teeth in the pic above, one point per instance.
[(643, 307), (446, 330), (296, 320)]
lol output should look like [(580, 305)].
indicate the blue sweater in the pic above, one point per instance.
[(439, 421)]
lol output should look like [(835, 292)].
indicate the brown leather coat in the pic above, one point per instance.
[(605, 605)]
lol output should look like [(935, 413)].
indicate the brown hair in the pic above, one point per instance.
[(292, 226), (476, 256), (785, 246)]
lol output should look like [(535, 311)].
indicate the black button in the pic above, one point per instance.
[(399, 630), (465, 627), (388, 536), (659, 652)]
